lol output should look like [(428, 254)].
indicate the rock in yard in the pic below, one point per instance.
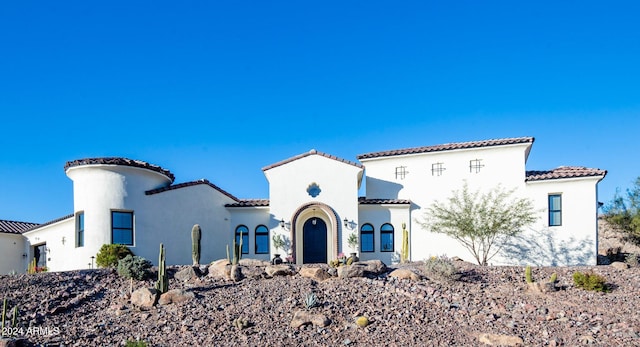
[(301, 318), (175, 296), (348, 271), (375, 267), (500, 340), (188, 273), (315, 273), (219, 269), (405, 274), (144, 297), (279, 270)]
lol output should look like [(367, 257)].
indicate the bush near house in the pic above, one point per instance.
[(590, 281), (109, 255), (623, 212), (134, 267)]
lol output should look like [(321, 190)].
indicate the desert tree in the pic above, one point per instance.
[(623, 212), (481, 221)]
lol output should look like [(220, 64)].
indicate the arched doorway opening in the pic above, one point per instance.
[(314, 241)]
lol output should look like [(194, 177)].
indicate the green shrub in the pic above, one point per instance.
[(441, 268), (590, 281), (136, 344), (134, 267), (362, 321), (109, 255)]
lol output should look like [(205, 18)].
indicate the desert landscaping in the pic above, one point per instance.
[(270, 306)]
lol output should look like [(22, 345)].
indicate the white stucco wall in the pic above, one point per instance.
[(252, 217), (169, 216), (12, 247), (572, 243), (377, 215), (61, 256), (503, 165), (338, 181)]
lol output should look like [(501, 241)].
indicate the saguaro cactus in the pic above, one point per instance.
[(196, 235), (162, 285), (237, 251), (404, 252)]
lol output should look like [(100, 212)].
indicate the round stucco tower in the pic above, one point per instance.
[(106, 190)]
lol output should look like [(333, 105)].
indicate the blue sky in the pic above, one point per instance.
[(219, 90)]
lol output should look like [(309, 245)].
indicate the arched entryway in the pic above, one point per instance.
[(314, 241)]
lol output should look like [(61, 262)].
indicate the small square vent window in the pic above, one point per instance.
[(437, 169), (401, 172), (475, 165)]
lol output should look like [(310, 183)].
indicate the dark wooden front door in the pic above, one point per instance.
[(314, 241)]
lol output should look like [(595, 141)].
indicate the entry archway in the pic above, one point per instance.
[(321, 213)]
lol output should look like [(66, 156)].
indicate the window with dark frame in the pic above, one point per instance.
[(242, 229), (401, 172), (122, 228), (386, 238), (366, 238), (475, 165), (80, 229), (555, 210), (262, 240), (437, 169)]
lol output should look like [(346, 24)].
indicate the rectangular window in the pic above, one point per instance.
[(80, 229), (366, 238), (262, 240), (386, 238), (401, 172), (437, 168), (475, 165), (245, 238), (555, 210), (122, 228)]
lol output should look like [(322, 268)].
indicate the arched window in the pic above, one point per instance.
[(386, 238), (262, 239), (366, 238), (245, 237)]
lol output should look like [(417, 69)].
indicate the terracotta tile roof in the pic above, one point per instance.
[(190, 184), (447, 147), (119, 161), (364, 201), (250, 203), (564, 172), (13, 227), (312, 152)]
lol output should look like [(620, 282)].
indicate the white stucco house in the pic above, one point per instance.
[(314, 204)]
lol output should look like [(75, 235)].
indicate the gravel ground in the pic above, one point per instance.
[(91, 308)]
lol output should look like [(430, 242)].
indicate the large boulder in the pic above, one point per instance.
[(188, 273), (404, 274), (348, 271), (175, 296), (220, 269), (279, 270), (301, 318), (374, 267), (144, 297), (315, 273)]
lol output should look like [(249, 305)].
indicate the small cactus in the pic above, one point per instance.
[(162, 285), (241, 323), (362, 321), (554, 278), (310, 300), (237, 251), (527, 274), (196, 235)]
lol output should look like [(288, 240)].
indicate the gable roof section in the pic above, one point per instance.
[(14, 227), (250, 203), (448, 147), (190, 184), (119, 161), (312, 152), (564, 172)]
